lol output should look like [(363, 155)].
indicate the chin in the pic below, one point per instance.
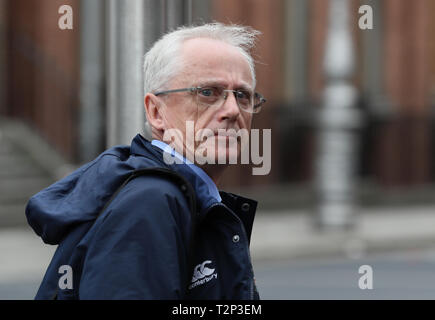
[(227, 152), (231, 155)]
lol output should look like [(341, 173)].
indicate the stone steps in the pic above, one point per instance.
[(17, 190), (12, 215), (20, 176), (13, 165)]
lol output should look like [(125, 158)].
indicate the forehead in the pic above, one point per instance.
[(206, 59)]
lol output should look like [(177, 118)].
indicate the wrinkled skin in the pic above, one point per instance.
[(206, 62)]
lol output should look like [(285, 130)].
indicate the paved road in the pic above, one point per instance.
[(402, 275), (23, 260)]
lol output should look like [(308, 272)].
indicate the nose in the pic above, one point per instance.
[(230, 109)]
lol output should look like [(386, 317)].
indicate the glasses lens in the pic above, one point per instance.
[(209, 96), (215, 97), (244, 99), (258, 102)]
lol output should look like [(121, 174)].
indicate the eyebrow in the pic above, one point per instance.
[(220, 83)]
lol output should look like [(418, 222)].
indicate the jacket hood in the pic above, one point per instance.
[(80, 196)]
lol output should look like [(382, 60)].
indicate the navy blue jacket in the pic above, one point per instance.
[(140, 245)]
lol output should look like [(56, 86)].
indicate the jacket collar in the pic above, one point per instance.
[(243, 207), (141, 146)]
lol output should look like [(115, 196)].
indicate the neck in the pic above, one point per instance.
[(214, 172)]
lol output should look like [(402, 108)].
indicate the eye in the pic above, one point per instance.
[(209, 92), (245, 95)]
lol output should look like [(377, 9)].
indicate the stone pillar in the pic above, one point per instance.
[(92, 58), (296, 53), (337, 143), (133, 26), (126, 47)]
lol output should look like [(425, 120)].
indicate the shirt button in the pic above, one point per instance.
[(245, 207), (236, 238), (183, 188)]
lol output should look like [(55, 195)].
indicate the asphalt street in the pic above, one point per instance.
[(402, 274), (395, 275)]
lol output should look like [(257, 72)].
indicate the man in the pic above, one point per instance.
[(167, 233)]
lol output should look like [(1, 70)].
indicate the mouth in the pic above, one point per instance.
[(224, 133), (231, 140)]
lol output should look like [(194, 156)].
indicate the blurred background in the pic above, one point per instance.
[(350, 86)]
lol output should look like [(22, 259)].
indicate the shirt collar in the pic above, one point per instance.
[(214, 192)]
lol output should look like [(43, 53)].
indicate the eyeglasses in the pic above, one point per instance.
[(215, 97)]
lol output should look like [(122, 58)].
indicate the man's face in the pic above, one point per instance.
[(208, 62)]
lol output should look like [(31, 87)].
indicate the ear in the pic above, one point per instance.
[(151, 103)]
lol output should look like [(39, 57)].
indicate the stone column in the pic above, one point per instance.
[(125, 49), (337, 143), (92, 58), (133, 26)]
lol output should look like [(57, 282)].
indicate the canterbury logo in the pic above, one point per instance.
[(202, 274), (201, 271)]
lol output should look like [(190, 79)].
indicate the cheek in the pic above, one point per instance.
[(204, 119), (178, 113), (246, 121)]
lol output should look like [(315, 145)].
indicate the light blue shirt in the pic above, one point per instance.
[(213, 190)]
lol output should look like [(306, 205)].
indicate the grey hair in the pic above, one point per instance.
[(162, 61)]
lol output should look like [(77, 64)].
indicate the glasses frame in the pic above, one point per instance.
[(256, 108)]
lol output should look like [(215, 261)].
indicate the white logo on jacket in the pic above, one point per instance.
[(202, 274)]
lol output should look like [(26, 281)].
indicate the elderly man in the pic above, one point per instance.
[(134, 225)]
